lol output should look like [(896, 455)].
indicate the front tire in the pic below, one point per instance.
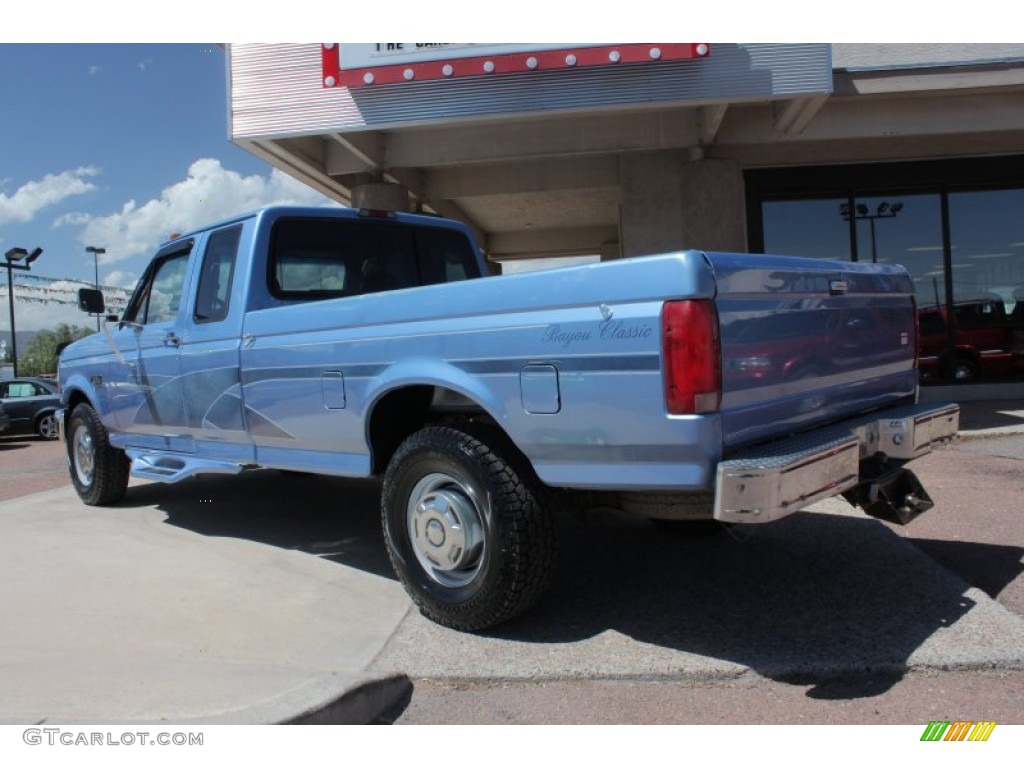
[(466, 526), (99, 472)]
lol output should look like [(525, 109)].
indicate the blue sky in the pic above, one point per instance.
[(116, 146)]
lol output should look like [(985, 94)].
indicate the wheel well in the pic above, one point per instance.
[(74, 398), (961, 354), (403, 411)]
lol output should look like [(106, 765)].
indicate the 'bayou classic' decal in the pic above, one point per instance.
[(609, 330)]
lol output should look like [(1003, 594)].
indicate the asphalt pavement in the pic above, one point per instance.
[(269, 598)]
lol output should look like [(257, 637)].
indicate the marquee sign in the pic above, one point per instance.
[(365, 64)]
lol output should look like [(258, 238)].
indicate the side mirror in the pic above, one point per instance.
[(91, 300)]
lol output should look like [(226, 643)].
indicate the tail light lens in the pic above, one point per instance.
[(692, 356)]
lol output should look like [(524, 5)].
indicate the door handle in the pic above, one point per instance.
[(172, 340)]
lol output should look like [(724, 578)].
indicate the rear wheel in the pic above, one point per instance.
[(466, 526), (964, 369), (99, 472), (46, 427)]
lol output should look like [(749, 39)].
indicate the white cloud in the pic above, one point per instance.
[(120, 278), (34, 196), (45, 305), (95, 70), (210, 192), (34, 317), (71, 220)]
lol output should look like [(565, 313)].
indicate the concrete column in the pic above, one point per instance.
[(670, 203), (382, 196)]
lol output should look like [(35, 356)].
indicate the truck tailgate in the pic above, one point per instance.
[(807, 342)]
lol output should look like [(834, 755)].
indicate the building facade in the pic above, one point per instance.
[(909, 154)]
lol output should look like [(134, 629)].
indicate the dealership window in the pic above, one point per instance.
[(957, 227)]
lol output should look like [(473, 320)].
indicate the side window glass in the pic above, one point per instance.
[(165, 295), (214, 291), (158, 297)]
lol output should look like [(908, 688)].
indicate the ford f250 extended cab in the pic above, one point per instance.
[(686, 387)]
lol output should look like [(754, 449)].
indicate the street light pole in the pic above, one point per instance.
[(13, 256), (96, 263), (861, 211)]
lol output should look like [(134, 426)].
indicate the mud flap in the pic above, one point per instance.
[(895, 496)]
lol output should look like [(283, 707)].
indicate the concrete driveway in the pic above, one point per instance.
[(269, 598)]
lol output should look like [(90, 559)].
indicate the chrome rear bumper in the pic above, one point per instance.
[(771, 481)]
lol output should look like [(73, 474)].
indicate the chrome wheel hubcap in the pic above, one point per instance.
[(84, 455), (446, 529)]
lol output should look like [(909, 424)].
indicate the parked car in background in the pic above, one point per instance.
[(30, 405), (5, 420), (984, 341)]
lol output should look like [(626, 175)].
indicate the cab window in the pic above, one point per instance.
[(214, 292), (158, 298)]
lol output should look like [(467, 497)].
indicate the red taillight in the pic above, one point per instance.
[(692, 356)]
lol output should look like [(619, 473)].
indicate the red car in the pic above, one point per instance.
[(984, 341)]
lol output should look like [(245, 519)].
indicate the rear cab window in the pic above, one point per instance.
[(330, 258)]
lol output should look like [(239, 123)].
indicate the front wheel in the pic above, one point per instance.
[(99, 472), (466, 526)]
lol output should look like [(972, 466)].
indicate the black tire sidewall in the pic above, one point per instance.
[(110, 467), (518, 532), (416, 464)]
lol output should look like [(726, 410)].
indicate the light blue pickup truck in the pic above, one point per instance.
[(693, 388)]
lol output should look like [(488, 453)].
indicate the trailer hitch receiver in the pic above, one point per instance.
[(895, 495)]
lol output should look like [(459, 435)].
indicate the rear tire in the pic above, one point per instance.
[(46, 427), (964, 369), (99, 472), (466, 526)]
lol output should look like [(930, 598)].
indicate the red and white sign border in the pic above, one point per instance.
[(481, 66)]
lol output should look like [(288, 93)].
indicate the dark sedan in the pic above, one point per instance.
[(30, 405)]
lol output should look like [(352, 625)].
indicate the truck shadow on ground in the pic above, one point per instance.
[(337, 520), (840, 603)]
